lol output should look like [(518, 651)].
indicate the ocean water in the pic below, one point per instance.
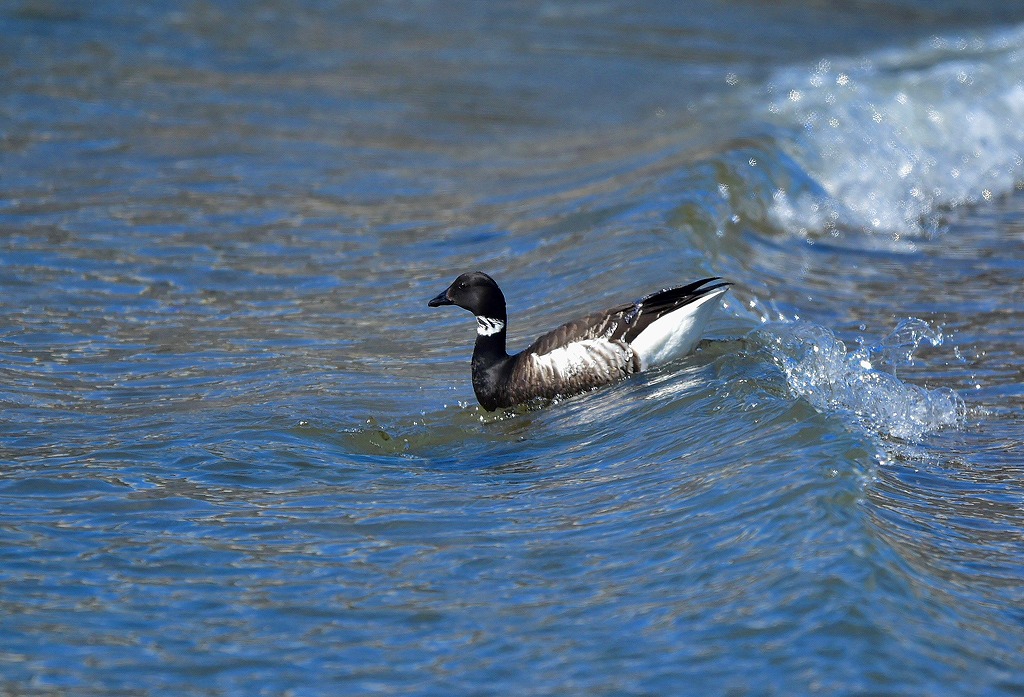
[(240, 456)]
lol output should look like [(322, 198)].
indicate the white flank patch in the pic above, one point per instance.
[(675, 334), (593, 356), (485, 326)]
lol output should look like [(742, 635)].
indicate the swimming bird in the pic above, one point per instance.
[(595, 350)]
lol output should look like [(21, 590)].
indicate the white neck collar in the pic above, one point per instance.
[(486, 326)]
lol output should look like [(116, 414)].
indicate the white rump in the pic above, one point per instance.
[(675, 334)]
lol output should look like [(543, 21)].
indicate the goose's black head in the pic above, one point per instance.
[(476, 292)]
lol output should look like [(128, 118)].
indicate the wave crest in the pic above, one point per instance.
[(898, 137), (819, 368)]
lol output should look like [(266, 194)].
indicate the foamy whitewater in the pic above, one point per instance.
[(862, 383), (894, 140)]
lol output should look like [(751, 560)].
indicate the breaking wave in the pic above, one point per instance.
[(892, 140)]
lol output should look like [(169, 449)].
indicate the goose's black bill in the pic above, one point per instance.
[(441, 299)]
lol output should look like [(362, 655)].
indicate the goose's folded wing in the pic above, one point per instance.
[(623, 323), (608, 324)]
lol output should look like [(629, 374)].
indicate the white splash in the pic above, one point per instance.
[(487, 326), (895, 137), (819, 368)]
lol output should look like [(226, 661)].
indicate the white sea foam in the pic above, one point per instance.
[(896, 137), (863, 382)]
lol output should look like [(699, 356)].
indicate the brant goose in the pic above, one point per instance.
[(594, 350)]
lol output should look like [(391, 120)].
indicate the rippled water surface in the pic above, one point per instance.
[(240, 456)]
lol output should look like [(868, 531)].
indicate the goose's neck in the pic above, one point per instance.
[(491, 363), (490, 338)]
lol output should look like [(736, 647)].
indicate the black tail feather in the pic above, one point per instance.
[(665, 301)]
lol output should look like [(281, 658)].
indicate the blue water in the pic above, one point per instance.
[(240, 456)]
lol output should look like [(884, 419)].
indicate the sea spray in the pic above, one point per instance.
[(820, 368), (896, 138)]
